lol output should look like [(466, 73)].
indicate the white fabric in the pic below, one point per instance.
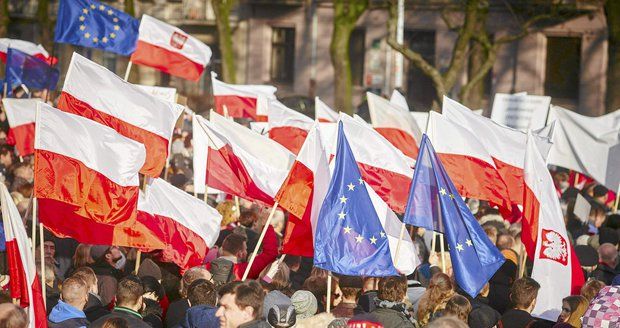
[(324, 112), (163, 93), (169, 201), (200, 145), (20, 111), (261, 128), (106, 92), (399, 101), (160, 34), (553, 277), (97, 146), (243, 90), (26, 47), (385, 115), (421, 118), (520, 111), (282, 116)]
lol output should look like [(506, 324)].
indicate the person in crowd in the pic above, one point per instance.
[(282, 316), (500, 285), (81, 258), (202, 297), (415, 290), (366, 301), (148, 268), (591, 288), (305, 304), (13, 316), (278, 280), (603, 310), (247, 218), (65, 249), (434, 300), (573, 308), (505, 241), (588, 258), (482, 315), (297, 275), (93, 309), (177, 309), (69, 310), (281, 303), (317, 285), (153, 293), (106, 258), (129, 302), (115, 323), (52, 293), (447, 322), (459, 307), (608, 259), (240, 305), (351, 288), (523, 295), (391, 310)]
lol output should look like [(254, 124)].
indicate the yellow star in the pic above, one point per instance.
[(87, 35), (115, 20), (101, 7), (110, 12), (116, 27), (82, 18), (442, 192), (95, 39), (451, 196), (343, 200), (459, 247), (360, 180), (85, 11), (382, 234), (104, 39), (341, 215), (347, 229), (373, 240), (82, 27), (359, 239), (351, 186), (93, 6), (112, 35), (469, 243)]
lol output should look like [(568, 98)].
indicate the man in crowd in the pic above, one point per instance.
[(202, 298), (608, 259), (108, 275), (390, 310), (177, 309), (128, 304), (241, 305), (351, 288), (94, 309), (523, 295), (68, 312)]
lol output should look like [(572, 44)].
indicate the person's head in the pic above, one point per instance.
[(239, 303), (597, 215), (573, 308), (505, 241), (393, 289), (153, 290), (459, 307), (148, 268), (317, 285), (293, 262), (599, 193), (6, 155), (591, 288), (248, 216), (75, 292), (235, 245), (608, 254), (280, 280), (491, 232), (561, 180), (202, 292), (305, 304), (129, 293), (115, 323), (24, 171), (106, 254), (447, 322), (191, 275), (49, 249), (351, 288), (370, 283), (88, 275), (82, 256), (12, 316), (50, 272), (523, 293), (439, 291)]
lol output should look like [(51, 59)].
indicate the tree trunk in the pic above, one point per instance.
[(346, 14), (4, 18), (44, 23), (473, 98), (222, 8), (129, 8), (612, 12)]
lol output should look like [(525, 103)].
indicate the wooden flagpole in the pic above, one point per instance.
[(328, 308), (42, 253), (138, 256), (400, 239), (34, 227), (615, 209), (522, 259), (237, 206), (260, 241), (576, 182), (443, 254), (128, 70)]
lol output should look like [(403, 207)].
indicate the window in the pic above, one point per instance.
[(420, 90), (562, 70), (357, 50), (282, 54)]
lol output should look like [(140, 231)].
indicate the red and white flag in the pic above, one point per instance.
[(29, 48), (556, 267), (287, 126), (396, 125), (170, 50), (186, 224), (302, 194), (21, 115), (398, 100), (25, 285), (242, 100), (324, 113), (91, 91), (467, 161), (86, 180), (242, 162)]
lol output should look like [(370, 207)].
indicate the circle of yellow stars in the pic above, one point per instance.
[(95, 39), (342, 215), (459, 246)]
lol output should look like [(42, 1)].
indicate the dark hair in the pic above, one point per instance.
[(233, 243), (115, 323), (150, 284), (129, 291), (523, 292), (248, 216), (202, 292), (392, 289), (292, 260), (459, 307), (247, 293)]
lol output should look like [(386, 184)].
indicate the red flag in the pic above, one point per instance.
[(242, 100), (21, 115), (287, 126)]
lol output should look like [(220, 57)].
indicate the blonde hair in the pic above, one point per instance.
[(82, 256), (435, 298)]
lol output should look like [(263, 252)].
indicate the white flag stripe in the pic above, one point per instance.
[(20, 111)]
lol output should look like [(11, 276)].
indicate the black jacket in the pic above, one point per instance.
[(604, 273), (134, 320), (516, 319), (94, 309), (482, 315), (107, 280), (176, 312), (391, 318)]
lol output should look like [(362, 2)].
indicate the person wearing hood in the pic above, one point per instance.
[(202, 297), (105, 267), (68, 312)]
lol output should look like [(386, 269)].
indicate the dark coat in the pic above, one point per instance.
[(482, 315), (499, 286), (391, 318), (94, 309), (604, 273), (176, 312), (107, 280), (134, 321), (516, 319), (200, 316)]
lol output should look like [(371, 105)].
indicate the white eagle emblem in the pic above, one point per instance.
[(554, 247)]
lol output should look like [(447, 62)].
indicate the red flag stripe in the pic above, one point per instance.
[(392, 187), (401, 140), (23, 136), (236, 106), (290, 137), (513, 177), (167, 61)]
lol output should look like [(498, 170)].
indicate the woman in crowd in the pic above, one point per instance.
[(434, 300)]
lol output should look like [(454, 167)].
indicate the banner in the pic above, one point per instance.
[(520, 111)]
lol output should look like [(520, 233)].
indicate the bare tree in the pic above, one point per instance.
[(612, 13), (4, 18), (221, 9), (129, 8), (346, 14)]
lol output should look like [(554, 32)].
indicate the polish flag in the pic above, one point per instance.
[(396, 125), (25, 285), (186, 224), (505, 145), (324, 113), (86, 180), (29, 48), (398, 100), (242, 100), (556, 267), (21, 115), (385, 168), (170, 50), (302, 195), (287, 126), (91, 91), (470, 166), (243, 163)]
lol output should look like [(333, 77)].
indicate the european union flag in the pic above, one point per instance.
[(33, 72), (349, 237), (92, 24), (435, 204)]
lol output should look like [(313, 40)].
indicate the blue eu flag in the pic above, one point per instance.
[(435, 204), (92, 24), (349, 237), (33, 72)]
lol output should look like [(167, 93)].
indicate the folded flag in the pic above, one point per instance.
[(356, 233), (242, 100), (86, 180), (302, 194), (324, 113), (92, 91), (92, 24), (287, 126), (556, 267), (21, 115), (186, 224), (170, 50), (398, 100), (435, 204), (25, 284), (29, 48), (30, 71)]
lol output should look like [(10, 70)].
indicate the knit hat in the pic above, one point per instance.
[(98, 251), (149, 268), (305, 304), (222, 271), (587, 255), (273, 298), (608, 235)]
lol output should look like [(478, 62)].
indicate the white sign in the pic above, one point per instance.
[(163, 93), (520, 111)]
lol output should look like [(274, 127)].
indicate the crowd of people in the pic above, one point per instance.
[(103, 286)]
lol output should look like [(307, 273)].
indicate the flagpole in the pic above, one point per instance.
[(400, 239), (576, 180), (128, 70), (615, 209), (34, 226), (238, 208), (42, 253), (443, 254), (522, 259), (434, 242), (138, 256), (328, 308), (260, 241)]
